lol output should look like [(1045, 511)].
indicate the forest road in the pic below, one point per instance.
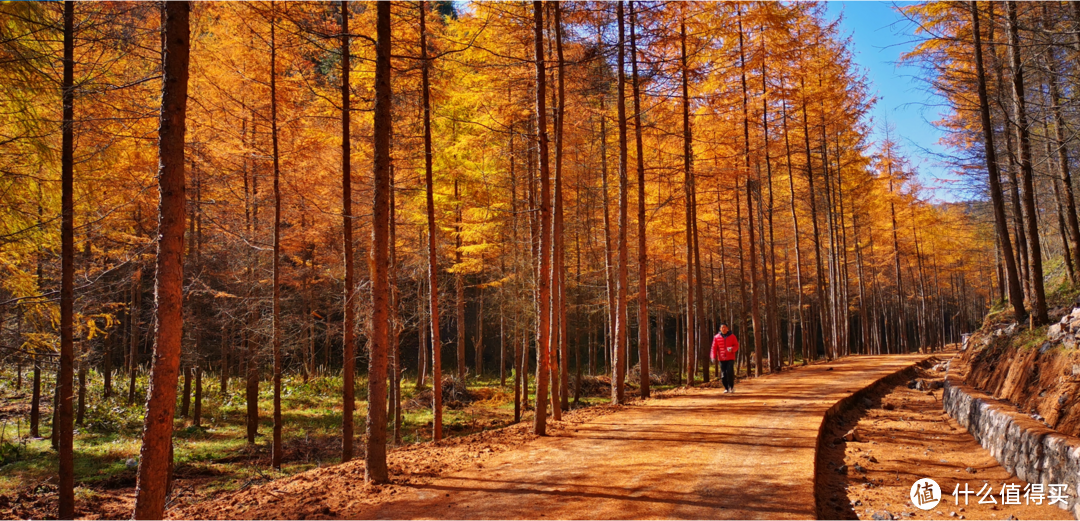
[(701, 455)]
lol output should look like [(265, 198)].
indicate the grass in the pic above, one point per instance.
[(107, 444)]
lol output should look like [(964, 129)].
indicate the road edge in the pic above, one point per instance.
[(847, 403)]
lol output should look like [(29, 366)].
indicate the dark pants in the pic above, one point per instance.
[(727, 373)]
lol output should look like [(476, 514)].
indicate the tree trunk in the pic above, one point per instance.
[(1026, 173), (996, 196), (277, 450), (62, 427), (433, 269), (618, 362), (643, 255), (133, 322), (755, 318), (543, 292), (155, 460), (375, 460), (348, 369)]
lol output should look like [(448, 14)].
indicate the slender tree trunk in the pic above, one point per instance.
[(1026, 173), (754, 313), (277, 450), (375, 460), (543, 293), (618, 361), (348, 369), (133, 320), (643, 256), (156, 455), (560, 234), (433, 268), (996, 196), (62, 427)]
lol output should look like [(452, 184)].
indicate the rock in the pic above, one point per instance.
[(882, 515), (868, 403), (872, 459), (1045, 347), (852, 435), (1013, 518), (857, 503), (842, 469), (131, 463), (888, 406), (971, 470), (1063, 398), (1054, 333), (859, 468), (952, 514), (912, 383)]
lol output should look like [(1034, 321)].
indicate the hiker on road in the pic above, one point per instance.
[(724, 347)]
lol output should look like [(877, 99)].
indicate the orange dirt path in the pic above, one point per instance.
[(700, 455)]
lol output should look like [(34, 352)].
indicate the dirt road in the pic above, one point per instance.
[(701, 455)]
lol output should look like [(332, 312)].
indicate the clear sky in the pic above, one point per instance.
[(880, 35)]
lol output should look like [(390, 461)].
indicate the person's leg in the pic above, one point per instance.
[(729, 374)]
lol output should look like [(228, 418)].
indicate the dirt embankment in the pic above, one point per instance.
[(1038, 370), (900, 434)]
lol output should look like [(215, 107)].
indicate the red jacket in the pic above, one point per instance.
[(724, 347)]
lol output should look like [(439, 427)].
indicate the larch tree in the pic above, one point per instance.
[(156, 454)]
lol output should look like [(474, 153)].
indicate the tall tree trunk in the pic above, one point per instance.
[(543, 293), (1026, 173), (375, 460), (63, 427), (1063, 153), (560, 239), (277, 450), (433, 267), (754, 313), (156, 455), (795, 224), (618, 361), (692, 328), (996, 196), (348, 369), (643, 255)]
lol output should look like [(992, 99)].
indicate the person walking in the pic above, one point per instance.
[(724, 347)]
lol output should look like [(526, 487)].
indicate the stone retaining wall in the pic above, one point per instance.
[(1022, 445)]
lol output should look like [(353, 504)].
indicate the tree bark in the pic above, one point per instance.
[(433, 268), (277, 450), (63, 426), (643, 255), (618, 362), (996, 195), (348, 369), (375, 459), (155, 457), (1026, 173)]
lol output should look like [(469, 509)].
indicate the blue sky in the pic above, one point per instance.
[(880, 35)]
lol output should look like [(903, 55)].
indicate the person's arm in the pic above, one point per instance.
[(736, 340), (715, 351)]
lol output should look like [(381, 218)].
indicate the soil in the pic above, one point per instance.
[(901, 437), (696, 453), (1041, 378)]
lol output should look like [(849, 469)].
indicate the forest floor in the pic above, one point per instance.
[(690, 453), (901, 435), (213, 458)]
